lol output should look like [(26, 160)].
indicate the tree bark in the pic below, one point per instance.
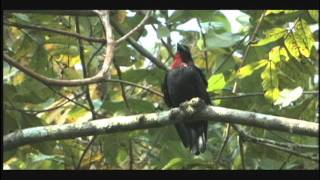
[(188, 111)]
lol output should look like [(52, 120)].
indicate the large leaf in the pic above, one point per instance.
[(153, 76), (271, 35), (300, 42), (314, 14), (221, 40), (136, 105), (175, 163), (304, 37), (216, 82), (248, 69), (123, 56)]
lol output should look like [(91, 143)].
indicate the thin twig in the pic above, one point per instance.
[(86, 89), (164, 43), (205, 47), (241, 152), (49, 81), (252, 38), (285, 162), (144, 20), (44, 110), (242, 95), (62, 32), (139, 48), (85, 151), (93, 55), (123, 93), (278, 146), (135, 85), (104, 16), (131, 158), (230, 54), (217, 161)]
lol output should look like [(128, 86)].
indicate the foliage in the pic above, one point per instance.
[(280, 64)]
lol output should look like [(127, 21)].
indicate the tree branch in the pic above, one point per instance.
[(144, 20), (285, 147), (54, 82), (66, 33), (252, 38), (188, 112), (164, 43), (138, 47), (205, 46), (101, 75)]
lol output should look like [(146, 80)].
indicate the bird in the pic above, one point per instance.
[(183, 82)]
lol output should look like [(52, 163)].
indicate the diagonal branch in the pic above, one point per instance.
[(144, 20), (105, 19), (252, 38), (138, 47), (185, 113)]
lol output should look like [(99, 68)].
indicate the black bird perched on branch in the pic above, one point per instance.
[(183, 82)]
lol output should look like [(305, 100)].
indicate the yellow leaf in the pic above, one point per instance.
[(248, 69), (18, 79), (292, 46), (74, 60), (121, 16), (50, 47), (272, 94)]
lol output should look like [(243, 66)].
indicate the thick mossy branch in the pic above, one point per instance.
[(188, 111)]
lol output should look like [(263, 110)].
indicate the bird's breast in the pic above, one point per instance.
[(182, 84)]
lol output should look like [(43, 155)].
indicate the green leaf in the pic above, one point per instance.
[(271, 35), (122, 157), (304, 37), (25, 47), (272, 94), (280, 11), (301, 41), (22, 17), (112, 147), (221, 40), (292, 46), (71, 73), (287, 96), (216, 82), (175, 163), (28, 91), (163, 31), (123, 56), (136, 105), (59, 39), (45, 147), (314, 14), (267, 163), (153, 76), (248, 69), (141, 106), (269, 76), (277, 54), (39, 61)]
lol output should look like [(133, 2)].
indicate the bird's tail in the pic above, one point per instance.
[(193, 136)]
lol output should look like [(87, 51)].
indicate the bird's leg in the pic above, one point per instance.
[(191, 107)]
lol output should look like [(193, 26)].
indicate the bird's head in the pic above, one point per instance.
[(183, 57)]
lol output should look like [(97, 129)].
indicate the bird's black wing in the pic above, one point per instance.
[(205, 94), (180, 127), (165, 91)]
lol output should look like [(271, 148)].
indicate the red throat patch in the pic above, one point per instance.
[(178, 62)]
